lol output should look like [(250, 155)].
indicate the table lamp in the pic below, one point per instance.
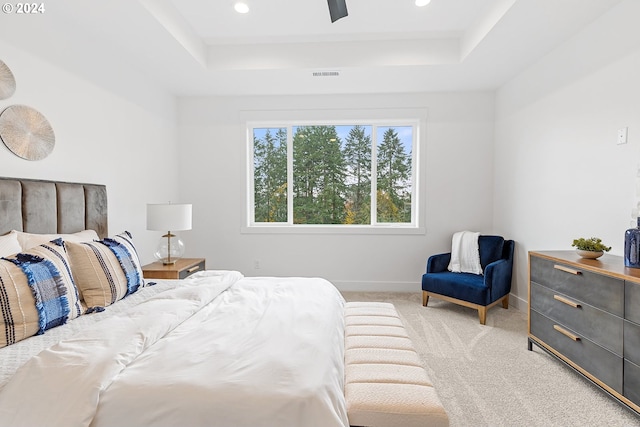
[(169, 217)]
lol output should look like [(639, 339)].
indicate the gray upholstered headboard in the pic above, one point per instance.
[(49, 207)]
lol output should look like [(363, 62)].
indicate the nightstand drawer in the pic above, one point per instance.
[(597, 290), (599, 326), (598, 361), (186, 272), (182, 269)]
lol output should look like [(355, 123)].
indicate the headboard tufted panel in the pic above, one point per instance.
[(39, 206)]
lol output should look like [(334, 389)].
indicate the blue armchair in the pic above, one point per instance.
[(479, 292)]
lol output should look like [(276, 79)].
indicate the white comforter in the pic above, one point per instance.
[(222, 350)]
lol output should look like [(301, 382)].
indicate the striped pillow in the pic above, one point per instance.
[(126, 240), (105, 271), (36, 292)]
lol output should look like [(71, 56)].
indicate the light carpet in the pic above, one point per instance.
[(485, 376)]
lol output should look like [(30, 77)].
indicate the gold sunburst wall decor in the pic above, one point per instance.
[(26, 132), (7, 82)]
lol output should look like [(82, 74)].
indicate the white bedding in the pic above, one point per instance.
[(238, 352)]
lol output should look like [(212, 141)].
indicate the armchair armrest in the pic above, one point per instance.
[(497, 277), (438, 263)]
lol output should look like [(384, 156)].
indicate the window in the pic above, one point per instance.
[(358, 175)]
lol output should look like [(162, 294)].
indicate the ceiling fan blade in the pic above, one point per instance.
[(337, 9)]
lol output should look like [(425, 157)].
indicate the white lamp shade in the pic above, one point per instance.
[(168, 217)]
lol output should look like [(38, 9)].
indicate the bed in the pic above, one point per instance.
[(216, 349)]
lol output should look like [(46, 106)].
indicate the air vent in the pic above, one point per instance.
[(326, 74)]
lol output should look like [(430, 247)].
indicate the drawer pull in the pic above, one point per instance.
[(194, 268), (566, 333), (567, 269), (566, 301)]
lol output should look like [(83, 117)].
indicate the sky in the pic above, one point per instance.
[(404, 133)]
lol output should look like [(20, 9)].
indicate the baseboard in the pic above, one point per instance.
[(356, 286), (518, 303)]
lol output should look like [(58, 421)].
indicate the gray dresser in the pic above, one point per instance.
[(587, 313)]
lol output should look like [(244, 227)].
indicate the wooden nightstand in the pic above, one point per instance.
[(183, 268)]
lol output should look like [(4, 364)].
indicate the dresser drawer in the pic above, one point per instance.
[(632, 301), (598, 361), (632, 382), (597, 290), (632, 342), (597, 325)]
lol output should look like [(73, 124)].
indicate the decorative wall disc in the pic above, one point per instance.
[(7, 81), (26, 132)]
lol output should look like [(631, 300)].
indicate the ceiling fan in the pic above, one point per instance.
[(337, 9)]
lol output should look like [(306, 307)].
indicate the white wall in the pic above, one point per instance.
[(127, 143), (559, 174), (553, 122), (456, 183)]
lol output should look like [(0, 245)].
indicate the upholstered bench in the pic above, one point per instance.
[(385, 382)]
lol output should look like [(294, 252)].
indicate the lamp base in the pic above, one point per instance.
[(170, 249)]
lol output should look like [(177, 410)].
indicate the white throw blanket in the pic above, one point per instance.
[(465, 254), (221, 350)]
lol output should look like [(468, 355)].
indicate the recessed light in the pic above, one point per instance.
[(421, 3), (241, 7)]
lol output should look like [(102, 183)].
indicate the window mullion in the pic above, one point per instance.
[(251, 176), (414, 174), (374, 175), (290, 175)]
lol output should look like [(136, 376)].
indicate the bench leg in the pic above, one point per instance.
[(482, 314), (425, 298)]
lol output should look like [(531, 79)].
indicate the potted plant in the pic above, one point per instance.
[(590, 248)]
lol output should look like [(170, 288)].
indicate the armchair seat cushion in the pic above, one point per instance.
[(464, 286)]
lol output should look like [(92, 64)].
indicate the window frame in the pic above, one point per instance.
[(414, 227)]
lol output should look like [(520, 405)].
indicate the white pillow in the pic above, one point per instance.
[(9, 244), (30, 240)]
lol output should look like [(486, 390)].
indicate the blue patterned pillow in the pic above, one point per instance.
[(37, 292), (127, 255), (48, 289)]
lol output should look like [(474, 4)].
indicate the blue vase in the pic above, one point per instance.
[(632, 247)]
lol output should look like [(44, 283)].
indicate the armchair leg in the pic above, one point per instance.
[(505, 301), (482, 314), (425, 298)]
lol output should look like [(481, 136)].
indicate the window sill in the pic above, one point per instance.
[(333, 229)]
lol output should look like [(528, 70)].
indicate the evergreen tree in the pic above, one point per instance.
[(305, 186), (357, 154), (318, 176), (394, 175), (270, 177), (331, 182)]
